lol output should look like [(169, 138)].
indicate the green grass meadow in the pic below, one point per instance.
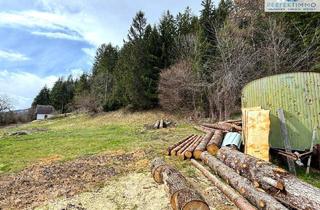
[(79, 135)]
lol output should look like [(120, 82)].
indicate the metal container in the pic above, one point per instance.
[(232, 138), (298, 94)]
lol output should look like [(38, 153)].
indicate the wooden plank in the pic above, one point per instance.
[(285, 136), (257, 128), (244, 123)]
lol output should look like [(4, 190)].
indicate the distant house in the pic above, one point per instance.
[(44, 112)]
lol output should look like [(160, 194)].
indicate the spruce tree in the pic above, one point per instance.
[(43, 97), (167, 30)]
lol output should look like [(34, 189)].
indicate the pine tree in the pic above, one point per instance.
[(167, 30), (43, 97), (62, 94), (138, 27), (186, 22), (206, 40), (103, 72), (82, 85)]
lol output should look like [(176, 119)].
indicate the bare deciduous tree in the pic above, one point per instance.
[(5, 104), (177, 88)]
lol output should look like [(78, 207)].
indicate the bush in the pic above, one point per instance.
[(177, 88), (112, 105)]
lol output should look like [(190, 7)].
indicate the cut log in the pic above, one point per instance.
[(156, 125), (161, 124), (236, 127), (189, 152), (203, 129), (202, 146), (188, 199), (238, 121), (296, 193), (215, 143), (178, 143), (157, 166), (181, 151), (233, 195), (257, 197), (176, 185), (223, 126), (177, 148)]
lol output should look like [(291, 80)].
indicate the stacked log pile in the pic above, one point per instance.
[(193, 145), (226, 126), (282, 185), (182, 195), (244, 186), (162, 124), (250, 182)]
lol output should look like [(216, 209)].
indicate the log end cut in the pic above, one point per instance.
[(213, 149), (157, 166), (197, 154), (188, 199), (188, 154)]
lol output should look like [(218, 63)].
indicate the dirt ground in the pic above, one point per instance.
[(109, 181)]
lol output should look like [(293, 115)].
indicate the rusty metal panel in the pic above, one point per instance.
[(298, 94)]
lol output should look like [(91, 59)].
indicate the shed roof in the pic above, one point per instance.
[(44, 109)]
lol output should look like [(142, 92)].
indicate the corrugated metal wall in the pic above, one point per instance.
[(298, 94)]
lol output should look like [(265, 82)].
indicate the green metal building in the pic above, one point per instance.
[(298, 94)]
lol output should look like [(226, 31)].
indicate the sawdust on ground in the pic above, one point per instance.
[(113, 181), (45, 181), (133, 191)]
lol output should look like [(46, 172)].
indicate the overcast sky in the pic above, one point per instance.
[(41, 40)]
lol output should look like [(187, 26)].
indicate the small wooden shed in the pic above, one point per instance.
[(44, 112)]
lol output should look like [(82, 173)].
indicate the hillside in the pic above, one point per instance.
[(101, 154)]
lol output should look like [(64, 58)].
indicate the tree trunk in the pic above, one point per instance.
[(181, 151), (203, 129), (257, 197), (189, 152), (188, 199), (215, 143), (174, 150), (233, 195), (223, 126), (271, 178), (178, 188), (202, 146), (157, 166)]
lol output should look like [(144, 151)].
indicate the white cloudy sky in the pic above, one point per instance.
[(41, 40)]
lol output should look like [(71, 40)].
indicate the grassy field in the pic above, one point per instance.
[(78, 135)]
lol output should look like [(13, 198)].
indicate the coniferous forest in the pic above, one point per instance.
[(194, 64)]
